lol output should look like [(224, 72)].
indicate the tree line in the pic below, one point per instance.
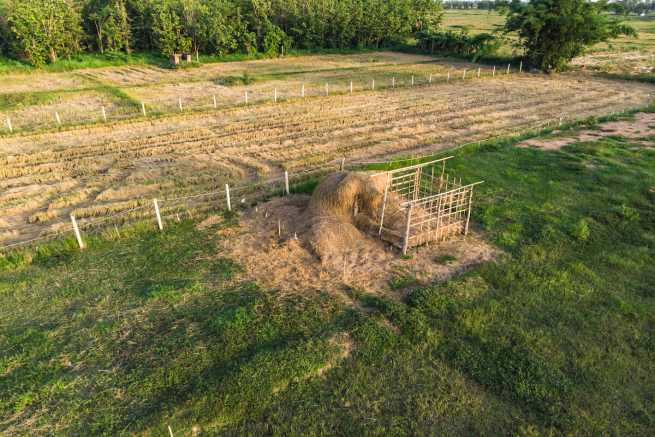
[(42, 31)]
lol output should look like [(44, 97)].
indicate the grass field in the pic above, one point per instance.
[(146, 330), (100, 169), (622, 56)]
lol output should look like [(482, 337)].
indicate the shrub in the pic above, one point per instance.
[(458, 43)]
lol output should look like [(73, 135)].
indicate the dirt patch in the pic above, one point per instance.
[(274, 243), (641, 127)]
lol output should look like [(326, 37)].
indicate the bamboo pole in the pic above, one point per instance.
[(286, 182), (384, 202), (76, 230), (407, 229), (468, 214), (227, 197), (160, 225)]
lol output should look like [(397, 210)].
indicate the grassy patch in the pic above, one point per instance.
[(157, 329)]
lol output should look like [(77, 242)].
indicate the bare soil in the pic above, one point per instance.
[(643, 126)]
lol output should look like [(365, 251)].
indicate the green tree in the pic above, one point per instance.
[(168, 30), (108, 21), (44, 30), (552, 32)]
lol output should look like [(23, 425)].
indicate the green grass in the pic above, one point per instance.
[(556, 336), (97, 60)]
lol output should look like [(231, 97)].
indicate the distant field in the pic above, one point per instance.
[(100, 170), (632, 56)]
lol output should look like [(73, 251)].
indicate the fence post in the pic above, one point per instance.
[(343, 164), (11, 128), (143, 109), (393, 82), (245, 97), (351, 87), (327, 89), (464, 75), (302, 90), (57, 117), (412, 80), (159, 223), (430, 79), (179, 103), (448, 78), (493, 74), (478, 72), (275, 95), (104, 114), (373, 85), (215, 102), (286, 182), (76, 230), (407, 229), (468, 214), (521, 66), (227, 197), (508, 68)]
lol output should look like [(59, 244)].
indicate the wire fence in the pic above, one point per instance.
[(233, 197), (208, 100)]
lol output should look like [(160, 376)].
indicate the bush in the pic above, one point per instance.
[(458, 43)]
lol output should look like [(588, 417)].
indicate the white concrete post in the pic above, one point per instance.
[(215, 102), (302, 90), (143, 109), (275, 95), (464, 74), (478, 72), (179, 103), (373, 85), (286, 182), (493, 74), (245, 97), (521, 66), (412, 80), (508, 65), (104, 114), (76, 230), (448, 78), (11, 128), (393, 82), (351, 87), (327, 89), (227, 197), (57, 117), (430, 79), (159, 223)]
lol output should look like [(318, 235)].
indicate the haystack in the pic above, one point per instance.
[(343, 209)]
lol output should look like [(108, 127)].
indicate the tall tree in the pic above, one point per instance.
[(552, 32), (44, 30), (107, 20)]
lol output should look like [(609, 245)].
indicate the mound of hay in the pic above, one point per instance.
[(343, 208)]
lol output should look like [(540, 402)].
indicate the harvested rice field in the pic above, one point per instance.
[(99, 169)]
